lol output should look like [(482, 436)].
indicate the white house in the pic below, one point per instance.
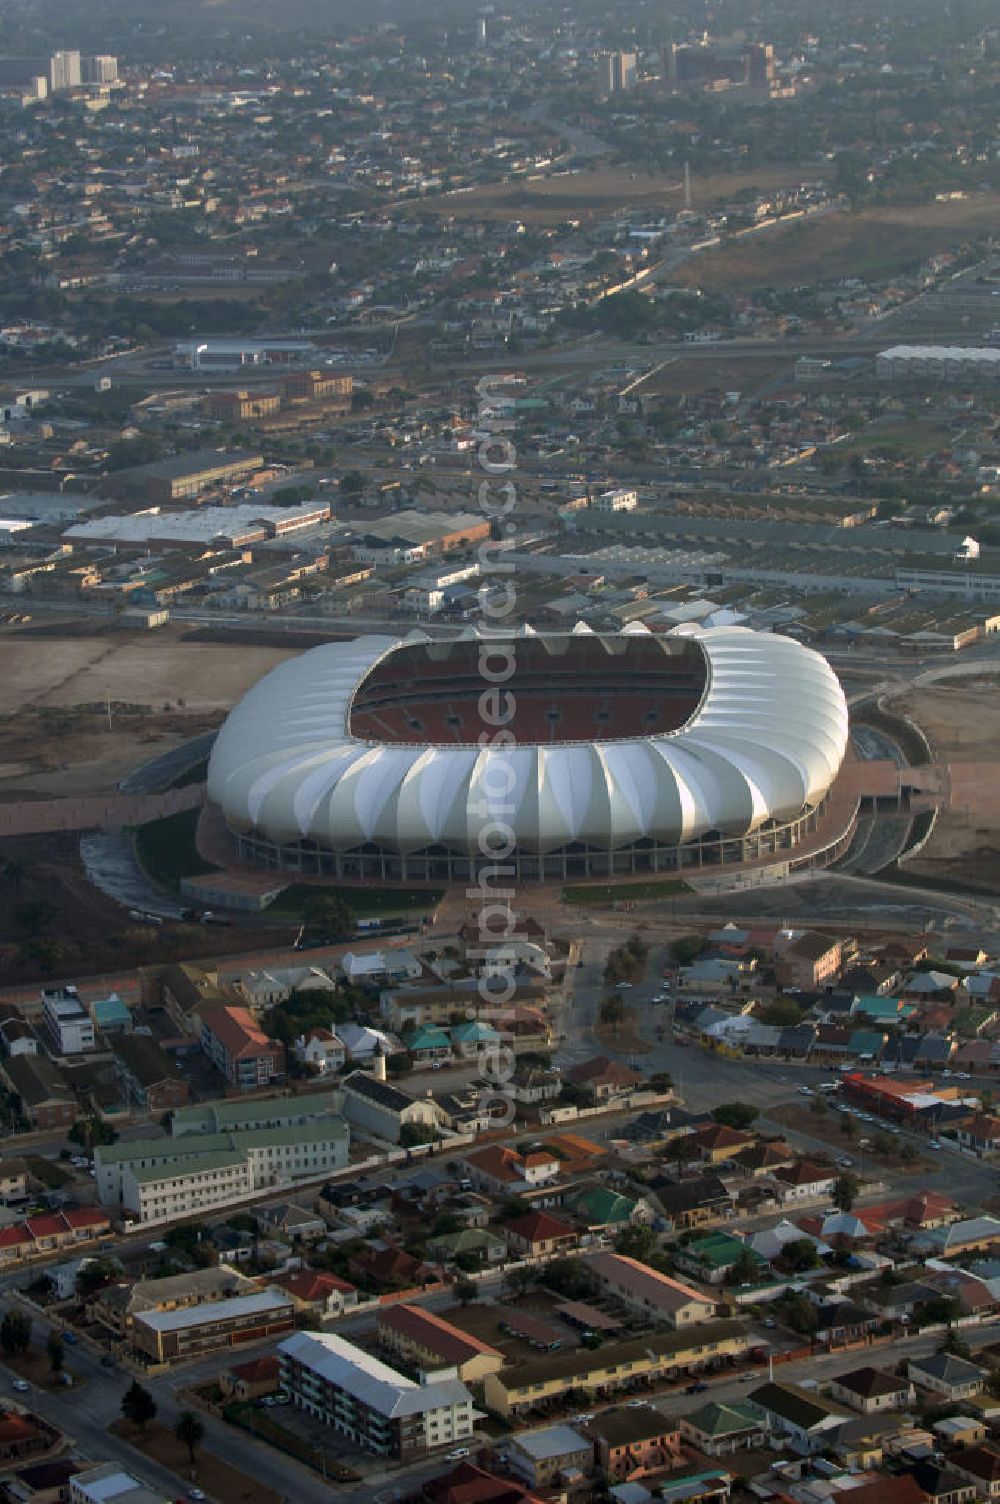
[(321, 1049), (362, 968)]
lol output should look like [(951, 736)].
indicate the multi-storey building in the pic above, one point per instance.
[(64, 71), (101, 68), (68, 1026), (364, 1399), (171, 1336), (156, 1180), (240, 1049)]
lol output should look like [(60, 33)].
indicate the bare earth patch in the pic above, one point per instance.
[(220, 1481)]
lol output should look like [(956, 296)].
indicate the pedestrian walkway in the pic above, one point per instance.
[(29, 817)]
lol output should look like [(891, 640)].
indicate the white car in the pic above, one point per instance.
[(637, 1405), (935, 1145), (457, 1454), (805, 1091), (21, 1385)]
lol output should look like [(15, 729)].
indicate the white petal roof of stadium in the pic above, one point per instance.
[(766, 741)]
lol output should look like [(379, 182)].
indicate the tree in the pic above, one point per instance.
[(637, 1243), (744, 1270), (686, 948), (520, 1281), (783, 1013), (735, 1114), (327, 916), (190, 1431), (90, 1131), (511, 1208), (466, 1291), (56, 1350), (95, 1275), (800, 1255), (138, 1405), (800, 1314), (15, 1334), (845, 1191)]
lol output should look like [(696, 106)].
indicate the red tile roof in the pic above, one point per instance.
[(312, 1284), (432, 1332), (236, 1031), (540, 1227)]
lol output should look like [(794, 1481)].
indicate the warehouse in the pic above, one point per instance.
[(185, 475)]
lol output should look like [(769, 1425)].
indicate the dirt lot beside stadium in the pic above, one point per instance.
[(55, 681), (962, 722)]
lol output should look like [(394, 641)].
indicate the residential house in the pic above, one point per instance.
[(872, 1389), (13, 1179), (471, 1243), (598, 1207), (470, 1039), (290, 1221), (317, 1291), (980, 1466), (692, 1203), (944, 1373), (799, 1414), (501, 1171), (321, 1049), (805, 1181), (718, 1429), (941, 1484), (250, 1380), (604, 1078), (711, 1258), (531, 1084), (46, 1100), (426, 1044), (551, 1458), (981, 1133), (717, 1143), (634, 1443), (539, 1235)]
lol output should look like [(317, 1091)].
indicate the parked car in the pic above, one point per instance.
[(21, 1385), (457, 1454), (698, 1388)]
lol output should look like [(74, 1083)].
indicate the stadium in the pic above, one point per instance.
[(634, 753)]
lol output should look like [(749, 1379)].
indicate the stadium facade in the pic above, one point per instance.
[(599, 755)]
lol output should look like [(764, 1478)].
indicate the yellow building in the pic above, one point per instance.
[(613, 1367), (431, 1342)]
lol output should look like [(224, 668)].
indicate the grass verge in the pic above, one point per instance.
[(167, 850), (364, 903)]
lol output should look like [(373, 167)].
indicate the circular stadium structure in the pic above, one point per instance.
[(620, 753)]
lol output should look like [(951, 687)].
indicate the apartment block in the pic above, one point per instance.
[(68, 1027), (240, 1049), (360, 1397)]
